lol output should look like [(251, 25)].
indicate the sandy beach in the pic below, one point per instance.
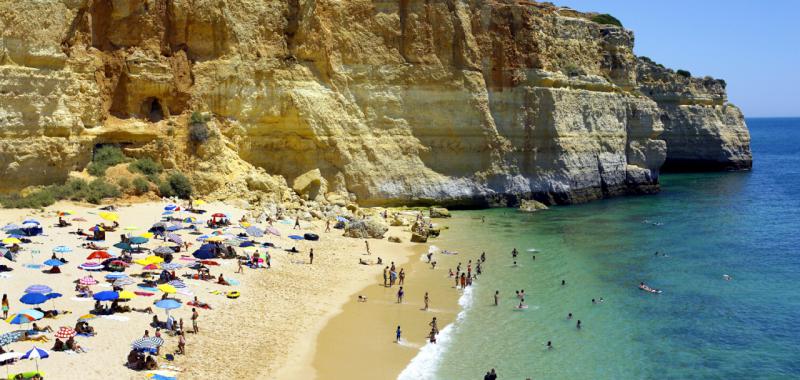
[(268, 332)]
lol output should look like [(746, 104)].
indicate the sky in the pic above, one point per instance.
[(753, 44)]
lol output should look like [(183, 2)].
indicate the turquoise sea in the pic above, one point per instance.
[(744, 224)]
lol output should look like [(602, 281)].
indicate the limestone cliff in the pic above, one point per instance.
[(404, 101)]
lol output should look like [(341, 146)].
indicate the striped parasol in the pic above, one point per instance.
[(148, 343), (91, 266), (177, 284), (88, 280), (171, 266), (175, 238), (124, 282), (39, 289), (65, 332)]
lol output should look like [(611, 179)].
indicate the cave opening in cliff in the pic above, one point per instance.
[(153, 110)]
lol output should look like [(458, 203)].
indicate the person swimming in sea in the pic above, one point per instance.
[(569, 316), (514, 253), (522, 304), (549, 345), (578, 326)]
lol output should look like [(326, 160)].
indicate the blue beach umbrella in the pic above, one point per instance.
[(168, 304), (174, 238), (246, 244), (170, 207), (148, 343), (33, 298), (20, 319), (10, 226), (254, 231), (138, 240), (123, 246), (36, 354), (106, 295), (54, 295), (31, 221), (53, 262), (62, 249), (115, 276), (295, 237), (39, 289)]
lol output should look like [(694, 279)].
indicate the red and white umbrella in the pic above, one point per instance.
[(65, 333), (88, 280)]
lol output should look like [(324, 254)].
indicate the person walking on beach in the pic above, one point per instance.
[(401, 278), (400, 294), (296, 223), (366, 243), (5, 306), (241, 268), (463, 280), (385, 276), (434, 326), (398, 333), (195, 315), (311, 256), (427, 301), (496, 297), (328, 226)]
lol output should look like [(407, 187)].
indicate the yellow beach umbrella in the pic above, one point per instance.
[(148, 235), (87, 317), (249, 249), (126, 295), (109, 216), (245, 224), (199, 202), (215, 239), (152, 259), (11, 241), (167, 288)]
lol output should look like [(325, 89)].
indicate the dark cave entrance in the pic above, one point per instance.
[(153, 110)]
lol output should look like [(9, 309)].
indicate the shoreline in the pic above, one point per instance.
[(367, 329)]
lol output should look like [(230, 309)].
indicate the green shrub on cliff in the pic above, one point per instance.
[(105, 157), (140, 185), (74, 189), (146, 166), (606, 19), (176, 185), (198, 130), (684, 73)]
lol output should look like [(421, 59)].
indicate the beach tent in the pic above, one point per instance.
[(206, 251)]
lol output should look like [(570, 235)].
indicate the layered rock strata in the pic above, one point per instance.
[(470, 102)]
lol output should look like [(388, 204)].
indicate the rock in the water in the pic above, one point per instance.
[(366, 228), (439, 212), (418, 238), (531, 205)]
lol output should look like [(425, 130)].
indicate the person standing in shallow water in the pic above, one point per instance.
[(427, 301), (385, 276), (397, 334), (400, 294), (496, 297)]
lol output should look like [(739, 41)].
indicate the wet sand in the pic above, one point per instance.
[(359, 342)]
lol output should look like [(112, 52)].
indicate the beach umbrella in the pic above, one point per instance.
[(86, 317), (216, 239), (13, 355), (273, 230), (109, 216), (170, 207), (106, 295), (168, 304), (88, 280), (31, 221), (147, 343), (209, 262), (65, 332), (167, 288), (138, 240), (99, 255), (295, 237), (11, 240), (126, 295), (118, 263), (19, 319), (91, 266), (150, 267), (171, 266), (174, 227), (177, 284), (62, 249), (163, 250), (33, 298), (35, 314), (146, 235), (114, 276), (36, 354), (53, 262), (254, 231), (199, 202), (120, 282), (38, 289), (10, 226), (175, 238), (30, 225), (206, 251), (123, 246)]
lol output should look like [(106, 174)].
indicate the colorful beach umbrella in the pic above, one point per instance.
[(88, 280), (91, 266), (62, 249), (175, 238), (148, 343), (150, 267), (120, 282), (163, 250), (36, 354), (65, 332), (126, 295), (33, 298), (106, 295), (11, 240), (168, 304), (54, 262), (167, 288), (19, 319), (86, 317), (138, 240), (171, 266), (38, 289), (114, 276), (170, 207), (177, 284), (109, 216), (98, 255)]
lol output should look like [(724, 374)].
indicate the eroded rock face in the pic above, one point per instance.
[(448, 102)]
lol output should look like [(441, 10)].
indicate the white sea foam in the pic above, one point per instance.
[(424, 365)]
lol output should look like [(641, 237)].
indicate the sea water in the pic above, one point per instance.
[(704, 226)]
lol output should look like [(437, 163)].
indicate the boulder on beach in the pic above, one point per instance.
[(439, 212), (366, 228), (395, 239), (419, 238), (530, 205)]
